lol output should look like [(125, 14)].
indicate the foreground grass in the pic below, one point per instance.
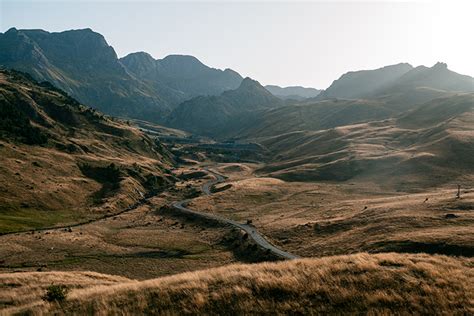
[(375, 284)]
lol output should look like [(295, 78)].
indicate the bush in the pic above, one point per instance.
[(55, 293)]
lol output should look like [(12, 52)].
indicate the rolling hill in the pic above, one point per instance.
[(63, 162), (429, 145)]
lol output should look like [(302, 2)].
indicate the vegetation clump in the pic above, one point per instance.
[(56, 293)]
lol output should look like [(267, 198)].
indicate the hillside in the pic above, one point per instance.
[(294, 92), (400, 87), (212, 115), (395, 95), (357, 84), (63, 162), (435, 138), (82, 63), (422, 84), (438, 77), (311, 116), (362, 283)]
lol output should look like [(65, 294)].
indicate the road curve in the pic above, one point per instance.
[(249, 229)]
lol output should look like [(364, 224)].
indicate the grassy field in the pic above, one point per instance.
[(139, 244), (362, 283), (327, 218)]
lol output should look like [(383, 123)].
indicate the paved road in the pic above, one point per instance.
[(249, 229)]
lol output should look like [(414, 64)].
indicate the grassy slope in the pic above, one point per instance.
[(60, 181), (362, 283), (427, 146)]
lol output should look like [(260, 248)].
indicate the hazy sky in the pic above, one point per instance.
[(287, 43)]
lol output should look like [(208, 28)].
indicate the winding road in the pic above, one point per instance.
[(249, 229)]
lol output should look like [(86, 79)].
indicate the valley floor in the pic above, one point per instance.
[(139, 244), (307, 219), (327, 218)]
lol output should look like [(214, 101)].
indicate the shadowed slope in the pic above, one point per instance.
[(214, 115)]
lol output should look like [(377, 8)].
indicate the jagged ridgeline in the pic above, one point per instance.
[(82, 63), (64, 162)]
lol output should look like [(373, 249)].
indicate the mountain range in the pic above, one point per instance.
[(81, 63), (84, 65), (181, 92)]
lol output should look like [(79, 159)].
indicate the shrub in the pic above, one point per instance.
[(55, 293)]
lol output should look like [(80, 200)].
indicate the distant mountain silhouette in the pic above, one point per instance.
[(185, 74), (399, 87), (422, 84), (357, 84), (209, 115), (84, 65), (437, 77), (294, 92)]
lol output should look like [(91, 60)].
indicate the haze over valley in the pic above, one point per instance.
[(142, 184)]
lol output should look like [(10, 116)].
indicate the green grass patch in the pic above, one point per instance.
[(14, 218)]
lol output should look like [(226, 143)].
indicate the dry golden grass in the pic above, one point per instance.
[(140, 244), (44, 186), (428, 146), (321, 219), (24, 288), (362, 283)]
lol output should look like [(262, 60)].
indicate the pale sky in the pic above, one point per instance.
[(307, 43)]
